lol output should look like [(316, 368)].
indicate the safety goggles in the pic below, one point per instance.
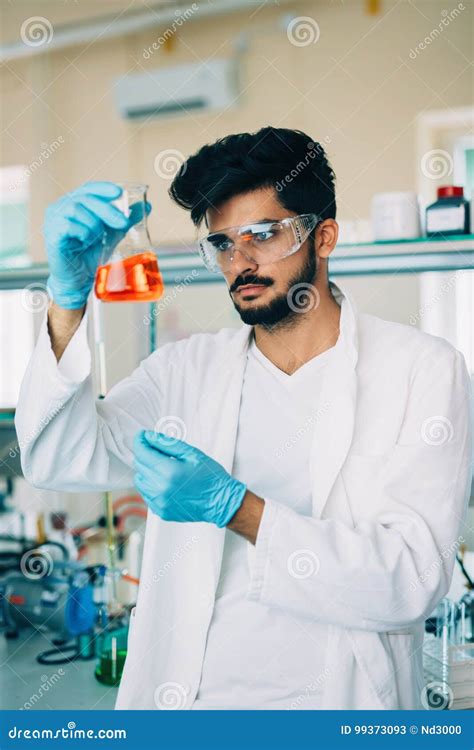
[(262, 242)]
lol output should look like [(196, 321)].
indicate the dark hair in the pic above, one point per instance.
[(288, 160)]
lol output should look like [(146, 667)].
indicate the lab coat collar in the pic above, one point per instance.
[(348, 345), (238, 345)]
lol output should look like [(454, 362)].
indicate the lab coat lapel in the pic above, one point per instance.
[(217, 423), (219, 403), (334, 426)]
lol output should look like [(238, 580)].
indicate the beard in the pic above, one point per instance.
[(283, 311)]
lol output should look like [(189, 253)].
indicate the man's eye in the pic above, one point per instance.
[(221, 244), (257, 236), (224, 245), (264, 235)]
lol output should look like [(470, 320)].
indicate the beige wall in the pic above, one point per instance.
[(357, 85)]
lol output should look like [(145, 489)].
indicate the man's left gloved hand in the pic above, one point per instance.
[(181, 483)]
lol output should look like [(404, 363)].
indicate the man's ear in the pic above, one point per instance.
[(326, 237)]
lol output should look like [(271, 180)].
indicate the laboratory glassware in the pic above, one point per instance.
[(129, 272)]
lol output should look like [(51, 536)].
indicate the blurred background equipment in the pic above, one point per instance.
[(59, 584), (448, 650)]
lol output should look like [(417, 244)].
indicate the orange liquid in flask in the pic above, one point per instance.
[(133, 279)]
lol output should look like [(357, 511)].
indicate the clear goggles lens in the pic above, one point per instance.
[(262, 242)]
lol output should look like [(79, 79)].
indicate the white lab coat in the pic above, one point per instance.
[(390, 482)]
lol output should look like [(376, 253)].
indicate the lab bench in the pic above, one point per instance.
[(28, 685)]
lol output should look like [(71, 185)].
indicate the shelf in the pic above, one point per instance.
[(454, 243), (409, 256)]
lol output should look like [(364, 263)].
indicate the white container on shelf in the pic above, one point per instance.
[(353, 232), (396, 216)]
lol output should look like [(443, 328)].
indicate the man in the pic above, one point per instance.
[(306, 526)]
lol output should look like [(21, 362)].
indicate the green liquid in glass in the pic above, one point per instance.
[(106, 671)]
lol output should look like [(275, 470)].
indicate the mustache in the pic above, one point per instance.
[(241, 281)]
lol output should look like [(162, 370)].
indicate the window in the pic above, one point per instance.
[(447, 299), (14, 196), (17, 309)]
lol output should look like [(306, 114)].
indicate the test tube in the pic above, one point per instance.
[(114, 659)]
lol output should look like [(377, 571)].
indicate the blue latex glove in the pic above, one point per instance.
[(78, 228), (181, 483)]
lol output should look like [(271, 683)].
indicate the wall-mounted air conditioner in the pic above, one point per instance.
[(178, 90)]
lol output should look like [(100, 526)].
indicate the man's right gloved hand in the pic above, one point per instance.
[(78, 228)]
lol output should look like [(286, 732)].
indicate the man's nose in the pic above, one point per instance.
[(241, 262)]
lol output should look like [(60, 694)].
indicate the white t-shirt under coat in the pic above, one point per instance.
[(259, 657)]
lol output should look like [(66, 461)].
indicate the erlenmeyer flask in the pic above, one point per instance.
[(130, 272)]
